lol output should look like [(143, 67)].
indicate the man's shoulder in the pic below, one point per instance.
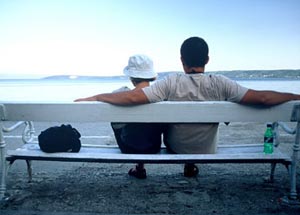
[(168, 79), (173, 75), (218, 77)]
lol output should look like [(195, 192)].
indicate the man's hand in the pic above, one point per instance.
[(85, 99), (265, 97), (132, 97)]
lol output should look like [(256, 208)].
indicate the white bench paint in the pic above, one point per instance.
[(196, 112)]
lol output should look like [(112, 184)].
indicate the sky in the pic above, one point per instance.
[(96, 37)]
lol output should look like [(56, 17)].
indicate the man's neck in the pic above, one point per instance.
[(142, 85), (194, 70)]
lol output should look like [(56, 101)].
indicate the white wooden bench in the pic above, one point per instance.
[(166, 112)]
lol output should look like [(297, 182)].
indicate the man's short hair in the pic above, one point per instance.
[(139, 80), (194, 52)]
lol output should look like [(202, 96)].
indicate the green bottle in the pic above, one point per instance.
[(268, 140)]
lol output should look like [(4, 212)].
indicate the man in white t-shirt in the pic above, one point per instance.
[(193, 85)]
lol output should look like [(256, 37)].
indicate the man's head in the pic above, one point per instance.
[(194, 52)]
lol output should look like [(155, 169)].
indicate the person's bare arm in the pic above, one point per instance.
[(267, 97), (132, 97)]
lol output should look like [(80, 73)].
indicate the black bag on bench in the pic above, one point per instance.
[(62, 138)]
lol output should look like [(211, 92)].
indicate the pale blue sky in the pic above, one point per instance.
[(96, 37)]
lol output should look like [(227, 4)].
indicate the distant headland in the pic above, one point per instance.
[(235, 74)]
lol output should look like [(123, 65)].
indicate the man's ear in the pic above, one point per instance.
[(182, 61), (207, 60), (185, 68)]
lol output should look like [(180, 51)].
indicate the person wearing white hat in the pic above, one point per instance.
[(138, 138)]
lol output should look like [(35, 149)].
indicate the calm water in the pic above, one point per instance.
[(54, 90), (68, 91)]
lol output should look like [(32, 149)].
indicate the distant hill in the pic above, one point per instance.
[(95, 78), (73, 77), (235, 74), (260, 74)]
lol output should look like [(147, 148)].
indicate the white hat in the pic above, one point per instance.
[(140, 66)]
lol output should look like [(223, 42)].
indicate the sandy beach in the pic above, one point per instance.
[(93, 188)]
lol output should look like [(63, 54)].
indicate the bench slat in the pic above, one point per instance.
[(158, 112), (251, 153)]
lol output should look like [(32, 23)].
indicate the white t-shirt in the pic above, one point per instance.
[(197, 137)]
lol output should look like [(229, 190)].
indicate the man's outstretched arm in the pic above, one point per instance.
[(265, 97), (132, 97)]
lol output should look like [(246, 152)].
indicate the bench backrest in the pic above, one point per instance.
[(158, 112)]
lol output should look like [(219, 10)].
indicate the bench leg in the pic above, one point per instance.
[(292, 198), (296, 148), (273, 166), (29, 170), (2, 165)]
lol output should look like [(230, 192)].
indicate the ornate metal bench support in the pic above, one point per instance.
[(292, 199), (285, 128), (28, 135), (288, 130), (296, 147), (3, 164)]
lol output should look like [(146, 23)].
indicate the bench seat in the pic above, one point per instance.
[(162, 112), (248, 153)]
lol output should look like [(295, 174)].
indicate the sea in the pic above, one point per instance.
[(66, 88)]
